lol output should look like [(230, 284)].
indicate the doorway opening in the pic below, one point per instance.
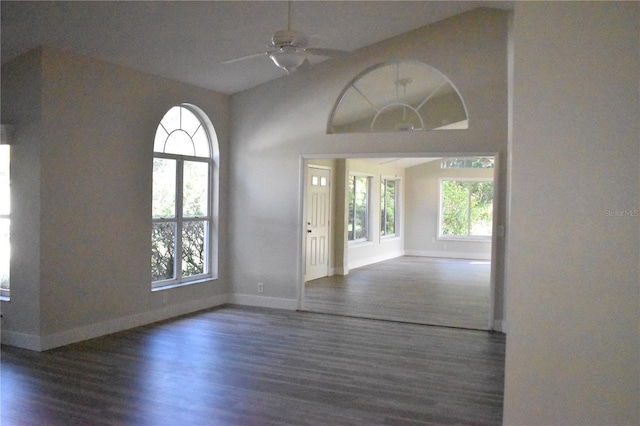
[(399, 257)]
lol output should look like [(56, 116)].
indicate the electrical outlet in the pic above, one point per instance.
[(260, 287)]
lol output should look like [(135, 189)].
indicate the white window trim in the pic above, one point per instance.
[(465, 238), (211, 260), (179, 220), (5, 294)]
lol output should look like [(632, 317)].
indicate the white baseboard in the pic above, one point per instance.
[(449, 254), (337, 271), (42, 343), (20, 340), (500, 325), (264, 301)]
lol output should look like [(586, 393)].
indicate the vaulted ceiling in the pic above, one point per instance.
[(188, 41)]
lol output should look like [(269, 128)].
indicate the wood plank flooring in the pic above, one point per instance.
[(253, 366), (423, 290)]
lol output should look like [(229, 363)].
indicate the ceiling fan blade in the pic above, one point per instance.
[(331, 53), (255, 55), (304, 66)]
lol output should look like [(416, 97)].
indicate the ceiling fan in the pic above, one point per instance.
[(288, 49)]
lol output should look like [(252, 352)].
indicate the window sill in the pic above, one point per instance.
[(183, 284), (466, 239), (5, 299)]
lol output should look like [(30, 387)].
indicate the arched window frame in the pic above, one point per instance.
[(161, 151), (378, 108)]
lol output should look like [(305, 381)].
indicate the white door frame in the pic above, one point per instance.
[(498, 229)]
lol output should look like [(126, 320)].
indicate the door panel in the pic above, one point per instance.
[(318, 223)]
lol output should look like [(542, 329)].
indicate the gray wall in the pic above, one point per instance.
[(81, 179), (277, 124), (21, 107), (573, 304)]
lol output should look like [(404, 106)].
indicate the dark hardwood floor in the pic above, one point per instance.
[(251, 366), (423, 290)]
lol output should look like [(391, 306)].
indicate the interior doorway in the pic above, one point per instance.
[(349, 276)]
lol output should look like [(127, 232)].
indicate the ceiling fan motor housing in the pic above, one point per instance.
[(288, 38)]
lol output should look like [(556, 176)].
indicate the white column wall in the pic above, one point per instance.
[(573, 284)]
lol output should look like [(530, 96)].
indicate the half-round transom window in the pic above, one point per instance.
[(181, 132), (398, 96)]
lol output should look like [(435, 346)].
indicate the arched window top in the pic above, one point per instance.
[(398, 96), (185, 199), (184, 130)]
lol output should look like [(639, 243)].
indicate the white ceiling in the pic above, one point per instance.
[(187, 41)]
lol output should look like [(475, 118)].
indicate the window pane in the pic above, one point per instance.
[(481, 208), (163, 251), (358, 209), (171, 120), (193, 248), (455, 207), (160, 139), (361, 208), (201, 143), (391, 208), (383, 205), (467, 208), (189, 122), (5, 199), (387, 207), (5, 253), (164, 188), (468, 163), (181, 132), (179, 142), (195, 189), (352, 192)]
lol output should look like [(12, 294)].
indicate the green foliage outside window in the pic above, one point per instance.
[(162, 251), (194, 204), (358, 209), (193, 248), (387, 207), (468, 163), (467, 208)]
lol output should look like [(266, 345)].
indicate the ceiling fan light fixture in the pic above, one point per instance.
[(287, 59)]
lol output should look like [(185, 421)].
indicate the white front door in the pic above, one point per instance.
[(317, 223)]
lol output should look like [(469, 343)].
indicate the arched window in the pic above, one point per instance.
[(184, 207), (398, 96)]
